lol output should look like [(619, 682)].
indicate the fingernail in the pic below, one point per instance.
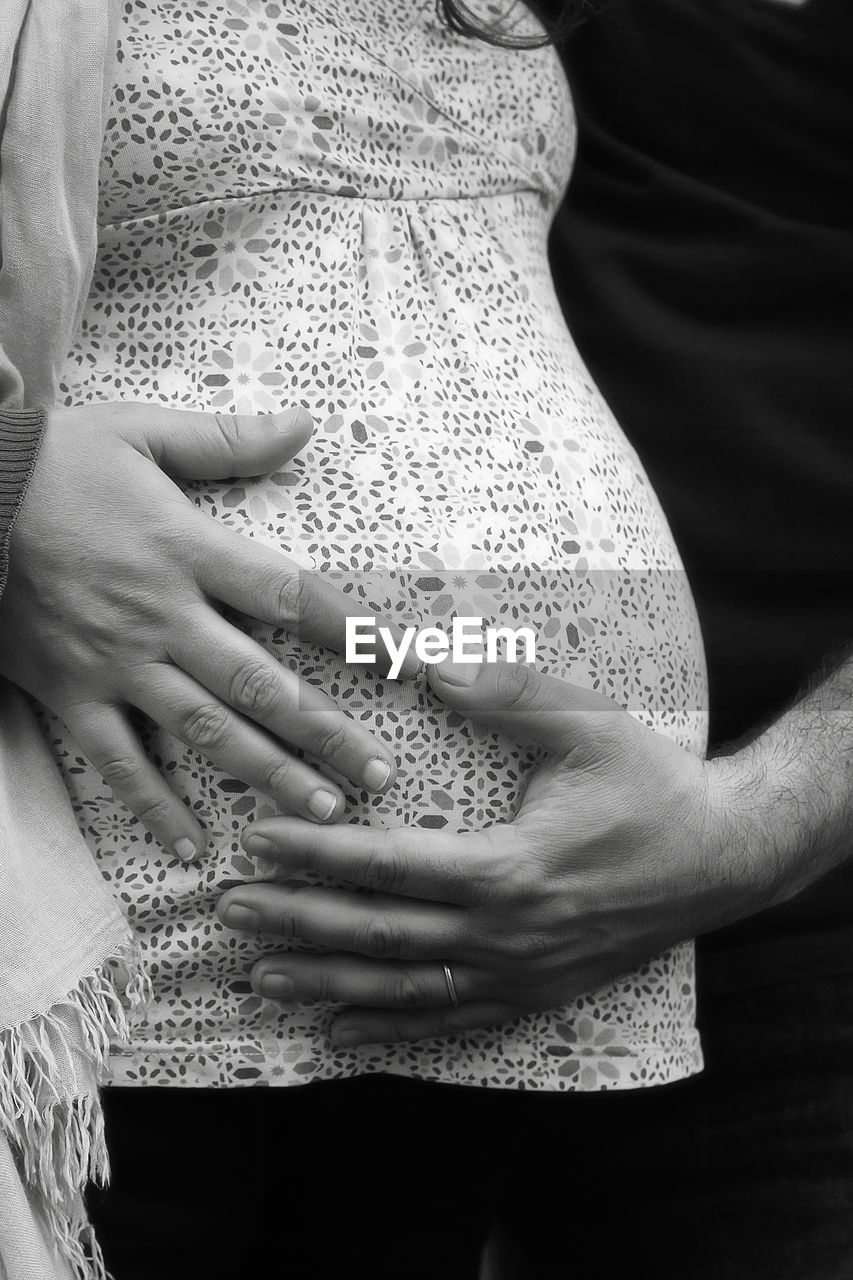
[(461, 674), (376, 775), (347, 1039), (185, 849), (294, 417), (239, 917), (259, 847), (278, 986), (322, 804)]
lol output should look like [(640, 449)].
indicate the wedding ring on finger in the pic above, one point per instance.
[(451, 986)]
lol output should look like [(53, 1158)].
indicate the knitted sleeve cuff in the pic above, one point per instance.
[(20, 436)]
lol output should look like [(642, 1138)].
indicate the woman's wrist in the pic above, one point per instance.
[(21, 432)]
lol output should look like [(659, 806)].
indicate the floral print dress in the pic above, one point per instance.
[(346, 205)]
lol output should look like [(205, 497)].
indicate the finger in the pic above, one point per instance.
[(376, 926), (213, 446), (108, 741), (264, 583), (464, 869), (193, 714), (531, 707), (243, 674), (372, 1026), (348, 979)]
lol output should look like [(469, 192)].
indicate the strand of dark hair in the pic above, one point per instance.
[(460, 19)]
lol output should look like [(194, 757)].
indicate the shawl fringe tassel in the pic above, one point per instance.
[(58, 1137)]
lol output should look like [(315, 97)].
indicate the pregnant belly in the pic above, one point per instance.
[(426, 514), (462, 465)]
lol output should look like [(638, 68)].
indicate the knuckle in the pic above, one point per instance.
[(526, 885), (154, 810), (285, 920), (606, 731), (392, 1030), (328, 741), (403, 990), (444, 1023), (614, 733), (384, 871), (118, 769), (379, 939), (228, 426), (292, 596), (326, 987), (493, 880), (485, 888), (204, 726), (254, 688), (279, 775), (453, 1022), (530, 945), (517, 685)]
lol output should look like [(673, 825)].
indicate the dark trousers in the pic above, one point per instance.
[(373, 1177), (745, 1173)]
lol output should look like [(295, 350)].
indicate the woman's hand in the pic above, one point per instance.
[(605, 865), (110, 605)]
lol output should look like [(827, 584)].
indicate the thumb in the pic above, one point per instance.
[(518, 699), (213, 446)]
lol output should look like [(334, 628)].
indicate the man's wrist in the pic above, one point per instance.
[(781, 807), (741, 852)]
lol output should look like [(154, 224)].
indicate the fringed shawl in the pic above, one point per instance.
[(67, 970)]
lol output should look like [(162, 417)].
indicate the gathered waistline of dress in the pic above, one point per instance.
[(259, 193)]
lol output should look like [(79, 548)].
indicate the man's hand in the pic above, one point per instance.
[(624, 845), (597, 872), (110, 604)]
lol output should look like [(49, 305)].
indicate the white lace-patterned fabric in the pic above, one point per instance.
[(345, 205)]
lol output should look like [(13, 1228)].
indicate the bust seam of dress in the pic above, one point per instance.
[(437, 106), (256, 193)]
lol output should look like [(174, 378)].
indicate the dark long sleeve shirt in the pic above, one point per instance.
[(704, 258)]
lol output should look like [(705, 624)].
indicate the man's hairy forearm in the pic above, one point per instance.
[(786, 799)]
